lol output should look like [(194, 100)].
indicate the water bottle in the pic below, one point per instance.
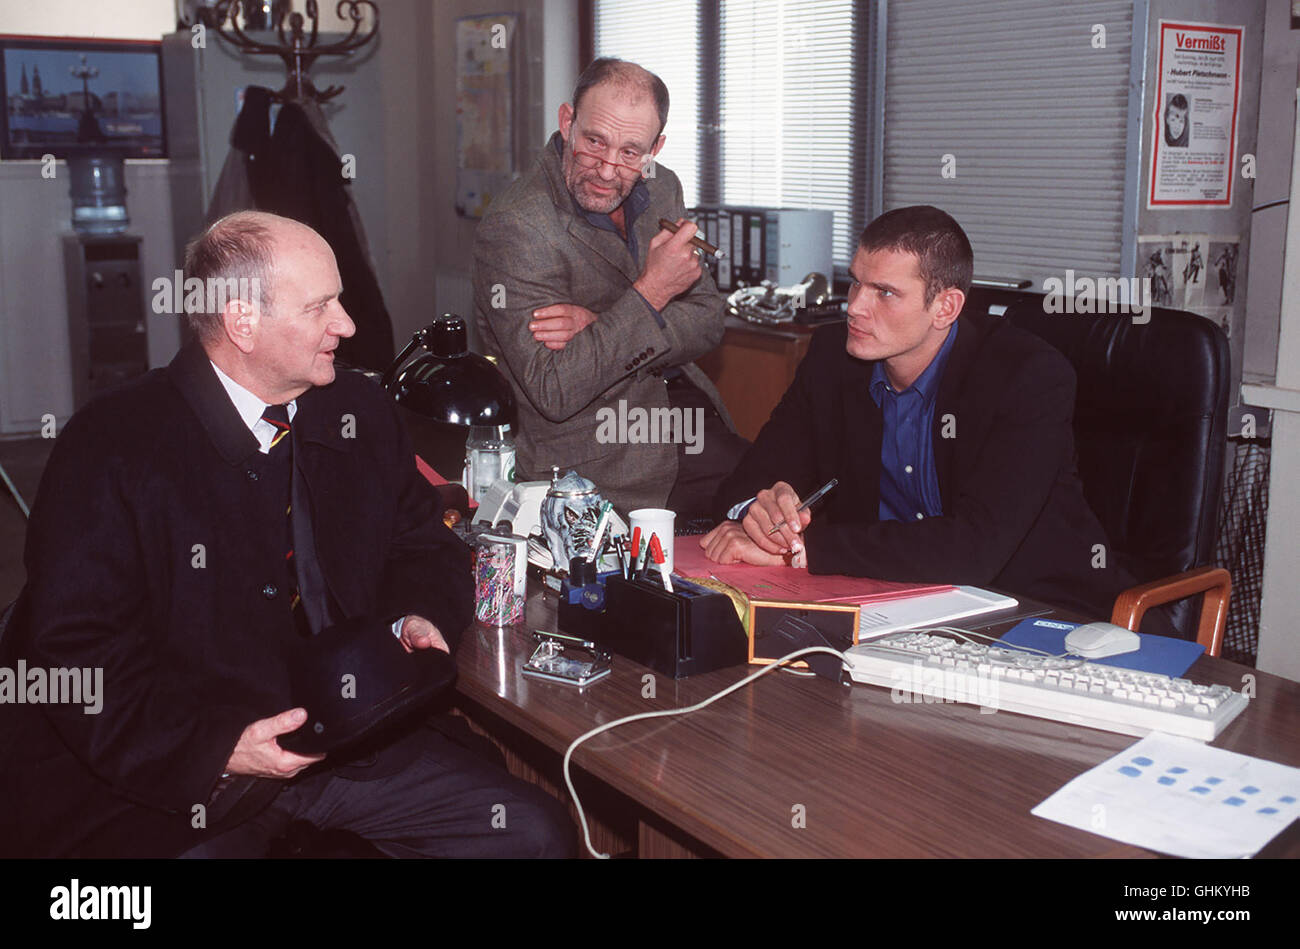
[(489, 457)]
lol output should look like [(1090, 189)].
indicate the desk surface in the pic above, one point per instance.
[(874, 778)]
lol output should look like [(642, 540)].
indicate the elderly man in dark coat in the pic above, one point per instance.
[(161, 551)]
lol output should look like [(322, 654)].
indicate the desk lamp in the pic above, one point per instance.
[(448, 384)]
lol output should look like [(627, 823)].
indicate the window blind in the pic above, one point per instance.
[(787, 109), (662, 36), (1035, 119), (790, 96)]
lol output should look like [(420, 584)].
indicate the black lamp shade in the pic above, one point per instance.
[(447, 383)]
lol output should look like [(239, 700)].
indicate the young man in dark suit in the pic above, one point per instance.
[(951, 437), (194, 531)]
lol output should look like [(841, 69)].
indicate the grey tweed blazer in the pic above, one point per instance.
[(533, 249)]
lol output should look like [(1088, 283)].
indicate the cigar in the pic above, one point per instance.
[(698, 241)]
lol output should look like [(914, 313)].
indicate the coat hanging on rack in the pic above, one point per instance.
[(295, 172)]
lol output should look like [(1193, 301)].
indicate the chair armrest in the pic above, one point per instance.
[(1214, 582)]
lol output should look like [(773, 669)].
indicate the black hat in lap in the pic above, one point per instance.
[(356, 679)]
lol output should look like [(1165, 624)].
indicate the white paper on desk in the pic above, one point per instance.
[(1181, 797)]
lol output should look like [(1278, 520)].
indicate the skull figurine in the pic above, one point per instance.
[(569, 516)]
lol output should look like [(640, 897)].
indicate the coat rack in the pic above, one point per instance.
[(297, 47)]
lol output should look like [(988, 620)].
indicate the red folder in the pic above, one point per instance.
[(791, 583)]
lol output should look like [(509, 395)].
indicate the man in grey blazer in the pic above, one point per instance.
[(596, 313)]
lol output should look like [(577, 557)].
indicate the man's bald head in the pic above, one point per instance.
[(235, 257), (629, 78), (236, 251), (281, 319)]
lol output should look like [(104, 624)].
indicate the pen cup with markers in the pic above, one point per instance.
[(500, 579), (654, 520)]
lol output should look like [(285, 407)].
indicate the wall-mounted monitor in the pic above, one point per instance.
[(65, 95)]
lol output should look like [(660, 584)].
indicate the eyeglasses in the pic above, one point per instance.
[(588, 160)]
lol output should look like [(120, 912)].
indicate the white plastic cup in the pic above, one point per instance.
[(653, 520)]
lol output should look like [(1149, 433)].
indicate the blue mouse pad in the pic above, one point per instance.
[(1159, 654)]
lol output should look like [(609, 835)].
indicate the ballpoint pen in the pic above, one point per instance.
[(813, 499)]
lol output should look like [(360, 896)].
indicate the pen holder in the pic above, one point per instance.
[(582, 599), (691, 630)]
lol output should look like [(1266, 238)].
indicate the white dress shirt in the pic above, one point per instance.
[(250, 409)]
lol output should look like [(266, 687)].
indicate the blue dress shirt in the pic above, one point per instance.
[(909, 480)]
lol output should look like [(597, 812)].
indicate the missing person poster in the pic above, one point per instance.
[(1194, 136)]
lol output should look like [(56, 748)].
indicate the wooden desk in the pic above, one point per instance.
[(873, 778)]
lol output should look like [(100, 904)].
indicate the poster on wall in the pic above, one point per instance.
[(1194, 272), (1194, 133), (484, 111)]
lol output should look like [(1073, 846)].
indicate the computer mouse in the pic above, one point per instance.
[(1099, 640)]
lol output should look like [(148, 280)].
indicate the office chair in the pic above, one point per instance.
[(1150, 430)]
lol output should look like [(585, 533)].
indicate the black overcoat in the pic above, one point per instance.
[(148, 557)]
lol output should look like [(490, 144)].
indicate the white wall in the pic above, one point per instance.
[(35, 373), (114, 19), (103, 19), (35, 365), (1275, 340), (1273, 164)]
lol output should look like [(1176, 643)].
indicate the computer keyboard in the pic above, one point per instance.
[(1063, 689)]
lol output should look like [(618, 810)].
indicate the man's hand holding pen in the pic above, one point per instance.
[(771, 531), (749, 541), (776, 519)]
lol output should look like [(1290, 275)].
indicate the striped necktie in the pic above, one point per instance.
[(278, 416)]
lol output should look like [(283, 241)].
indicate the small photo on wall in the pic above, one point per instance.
[(1221, 288)]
